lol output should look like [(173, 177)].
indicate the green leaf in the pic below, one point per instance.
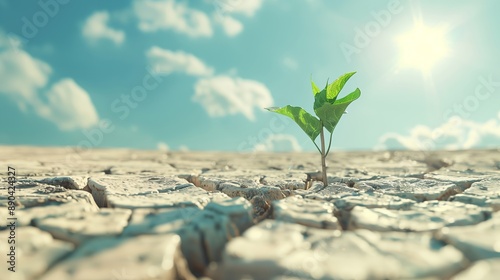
[(334, 88), (330, 114), (320, 99), (309, 123), (315, 88)]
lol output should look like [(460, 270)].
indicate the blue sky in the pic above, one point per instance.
[(195, 75)]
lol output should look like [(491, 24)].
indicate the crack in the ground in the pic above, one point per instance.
[(204, 249), (344, 217), (108, 170), (312, 176), (435, 163), (266, 208), (469, 262)]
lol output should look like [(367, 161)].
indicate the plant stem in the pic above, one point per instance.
[(323, 157), (329, 145), (317, 147)]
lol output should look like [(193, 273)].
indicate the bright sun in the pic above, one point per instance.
[(422, 47)]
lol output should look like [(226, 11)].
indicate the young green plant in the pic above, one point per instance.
[(328, 110)]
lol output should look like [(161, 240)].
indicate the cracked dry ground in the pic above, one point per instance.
[(129, 214)]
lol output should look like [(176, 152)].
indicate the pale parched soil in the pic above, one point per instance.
[(218, 214)]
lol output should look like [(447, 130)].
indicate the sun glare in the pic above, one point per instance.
[(423, 47)]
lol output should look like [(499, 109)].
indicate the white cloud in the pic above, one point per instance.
[(219, 95), (96, 28), (245, 7), (290, 63), (225, 8), (22, 75), (22, 79), (162, 146), (69, 106), (167, 61), (454, 134), (154, 15), (175, 15), (231, 26), (224, 95), (278, 143)]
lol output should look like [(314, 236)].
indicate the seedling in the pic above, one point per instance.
[(328, 110)]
